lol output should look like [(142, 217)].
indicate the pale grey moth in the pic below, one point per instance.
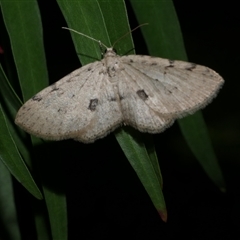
[(147, 93)]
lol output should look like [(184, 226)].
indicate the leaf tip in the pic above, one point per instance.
[(163, 215)]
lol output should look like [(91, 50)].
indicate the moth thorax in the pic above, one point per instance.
[(109, 53), (112, 64)]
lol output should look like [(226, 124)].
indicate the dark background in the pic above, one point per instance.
[(105, 198)]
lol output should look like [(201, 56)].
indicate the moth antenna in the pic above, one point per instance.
[(129, 33), (100, 43)]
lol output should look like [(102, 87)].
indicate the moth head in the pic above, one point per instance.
[(110, 52)]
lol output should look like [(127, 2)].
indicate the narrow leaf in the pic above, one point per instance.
[(8, 217), (11, 103), (203, 152), (12, 159), (23, 23)]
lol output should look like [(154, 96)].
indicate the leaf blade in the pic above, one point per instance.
[(28, 52), (12, 159)]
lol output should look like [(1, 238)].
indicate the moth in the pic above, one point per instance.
[(147, 93)]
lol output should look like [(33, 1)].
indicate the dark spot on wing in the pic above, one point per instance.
[(170, 91), (36, 98), (142, 95), (112, 99), (190, 68), (93, 104), (62, 110), (89, 69), (131, 61), (153, 64), (54, 88), (171, 62), (121, 97), (111, 69)]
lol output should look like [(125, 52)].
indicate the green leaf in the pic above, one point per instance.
[(89, 18), (8, 217), (203, 152), (145, 164), (11, 103), (23, 23), (12, 159), (163, 35), (107, 21), (167, 42)]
